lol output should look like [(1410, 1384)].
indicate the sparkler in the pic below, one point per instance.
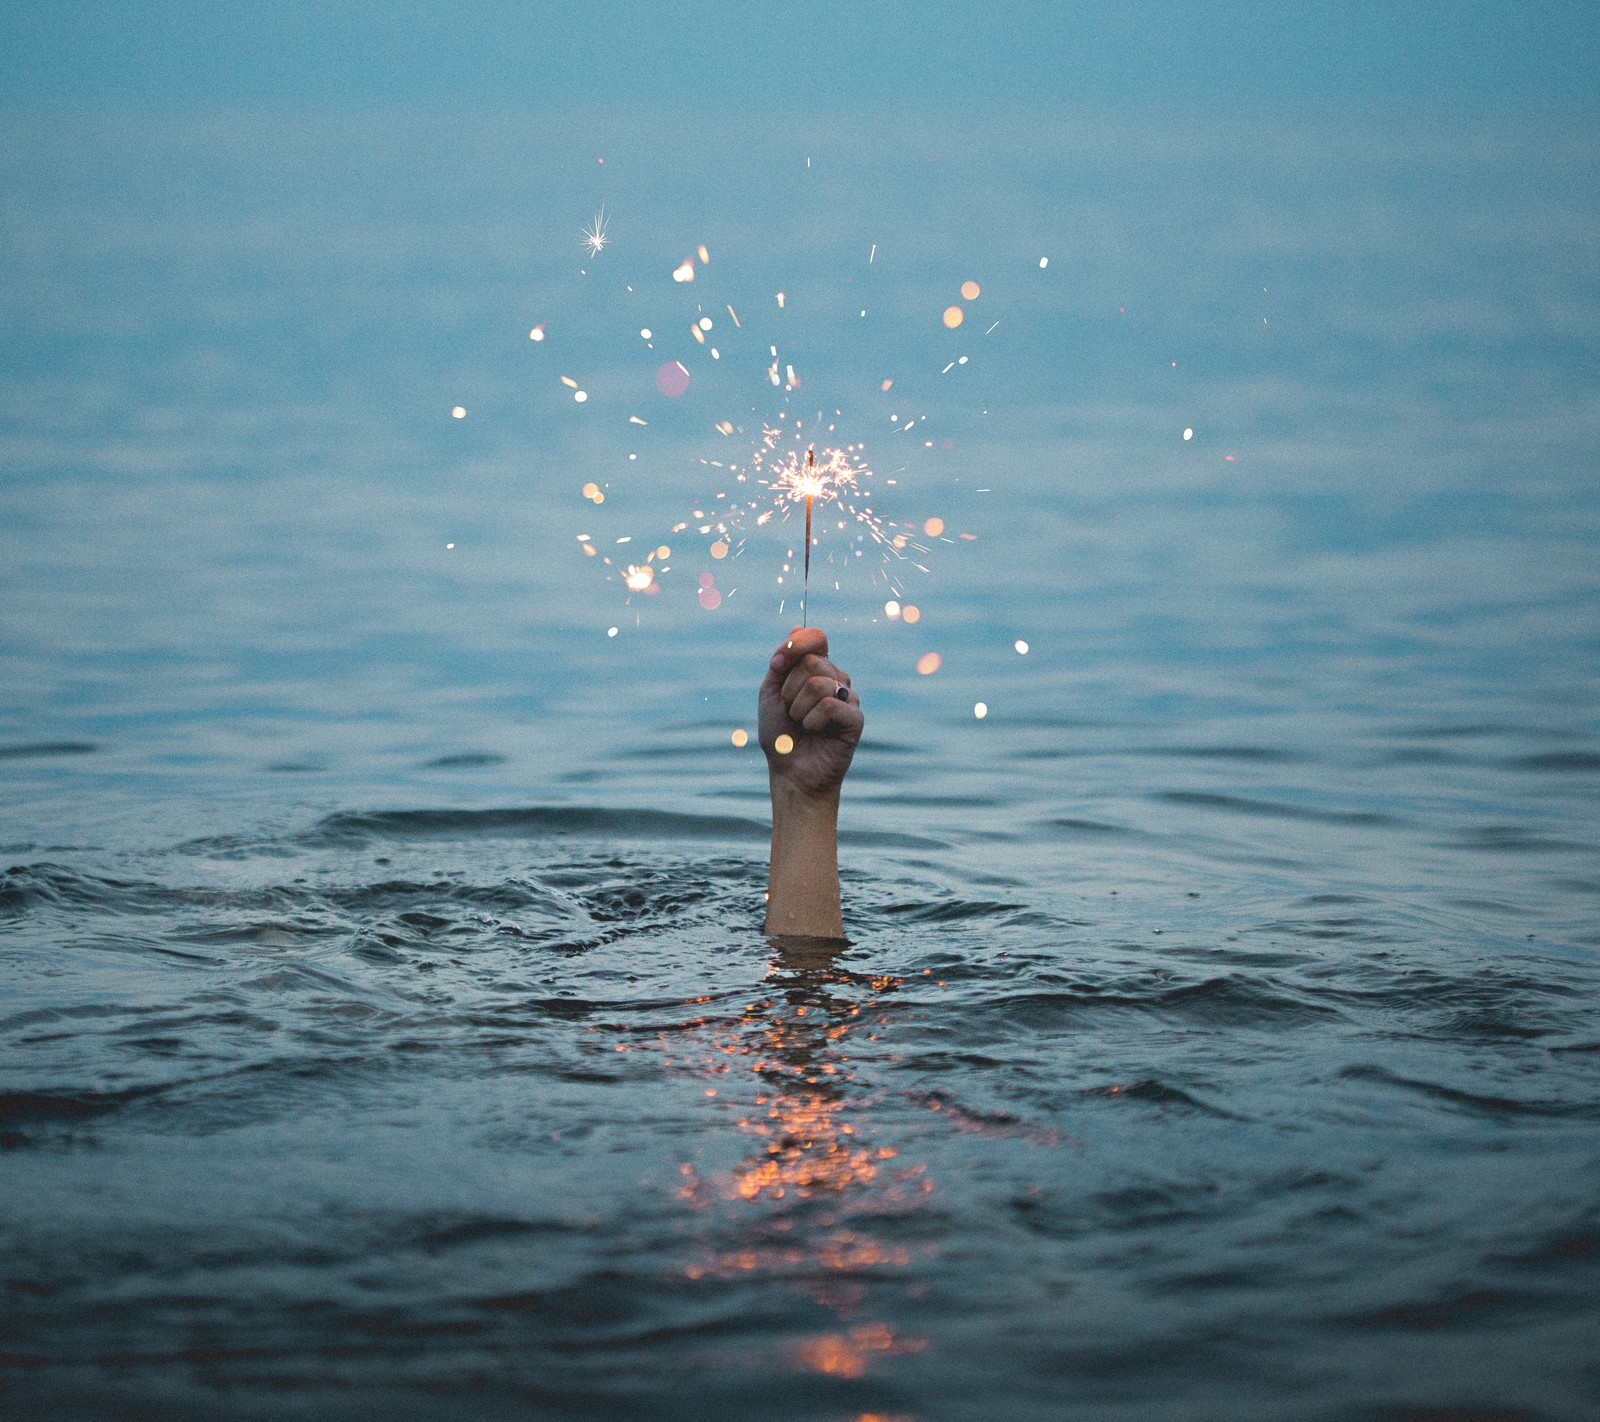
[(774, 476), (824, 474), (795, 483)]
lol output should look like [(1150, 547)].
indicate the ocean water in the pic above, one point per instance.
[(387, 1026)]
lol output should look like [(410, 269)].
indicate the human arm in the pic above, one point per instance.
[(800, 702)]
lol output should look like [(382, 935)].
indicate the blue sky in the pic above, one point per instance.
[(173, 53)]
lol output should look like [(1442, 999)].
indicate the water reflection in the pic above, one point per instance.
[(804, 1201)]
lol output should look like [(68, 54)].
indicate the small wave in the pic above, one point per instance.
[(1161, 1093), (1270, 755), (39, 750), (25, 887), (467, 760), (1420, 755), (1355, 927), (1463, 1309), (29, 1107), (1231, 1001), (531, 822), (1513, 839), (1096, 829), (1471, 1101), (1138, 1206), (1449, 732), (996, 1124), (1272, 809), (950, 911), (1557, 760), (434, 1234)]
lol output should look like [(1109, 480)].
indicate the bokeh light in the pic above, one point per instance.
[(954, 316), (672, 378), (928, 663)]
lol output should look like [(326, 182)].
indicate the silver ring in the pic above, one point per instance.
[(842, 691)]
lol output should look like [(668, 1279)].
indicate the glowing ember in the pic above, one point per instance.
[(1021, 646), (970, 290), (933, 527), (783, 745), (458, 412), (980, 709), (741, 738), (928, 663), (638, 579), (954, 316)]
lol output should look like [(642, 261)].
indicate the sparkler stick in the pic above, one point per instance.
[(805, 585)]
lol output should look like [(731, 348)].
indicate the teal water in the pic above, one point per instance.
[(387, 1022)]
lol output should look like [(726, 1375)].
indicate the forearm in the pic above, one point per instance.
[(803, 876)]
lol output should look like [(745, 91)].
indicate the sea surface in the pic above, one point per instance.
[(386, 1028)]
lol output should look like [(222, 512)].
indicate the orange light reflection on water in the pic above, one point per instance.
[(783, 1067)]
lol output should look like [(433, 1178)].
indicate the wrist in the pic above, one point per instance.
[(792, 802)]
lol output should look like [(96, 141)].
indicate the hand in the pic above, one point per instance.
[(799, 699)]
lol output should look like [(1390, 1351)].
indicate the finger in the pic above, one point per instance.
[(808, 668), (832, 714), (816, 690), (802, 642)]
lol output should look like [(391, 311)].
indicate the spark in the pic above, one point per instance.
[(594, 235)]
